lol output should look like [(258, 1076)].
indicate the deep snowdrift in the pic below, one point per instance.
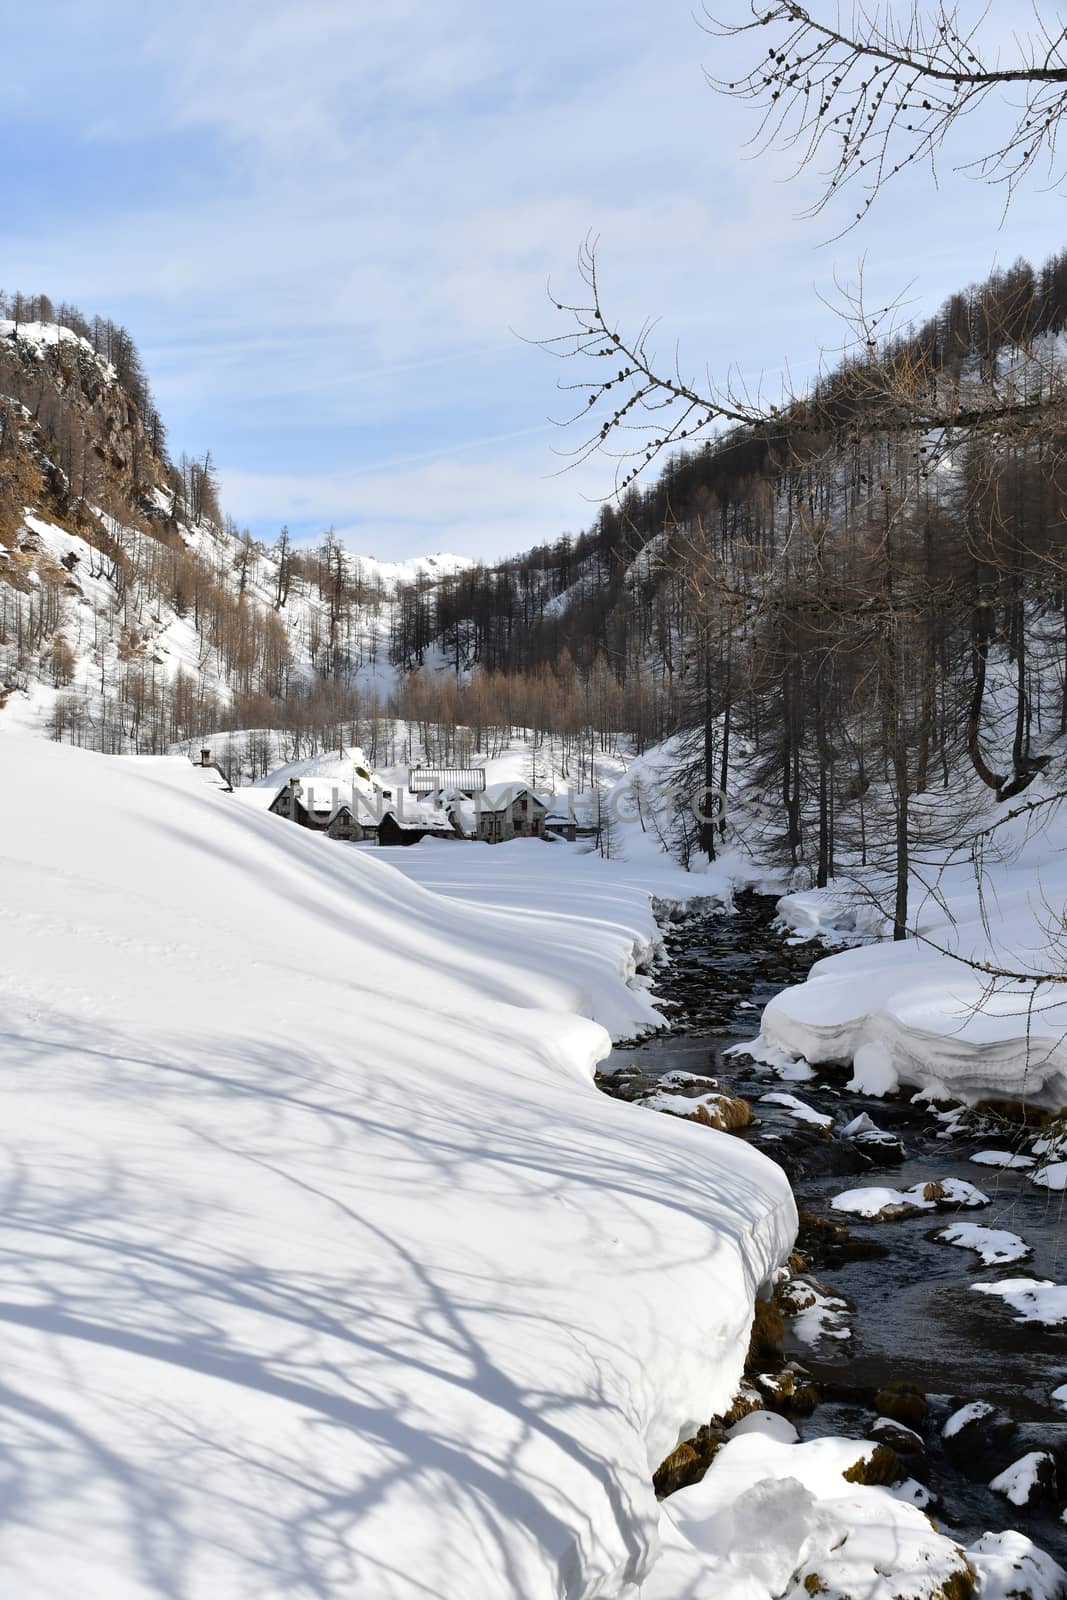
[(327, 1271), (909, 1013)]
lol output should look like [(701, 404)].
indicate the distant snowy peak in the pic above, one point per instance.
[(394, 573)]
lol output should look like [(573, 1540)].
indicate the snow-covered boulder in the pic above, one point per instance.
[(1011, 1567), (888, 1205), (1031, 1478), (773, 1520), (996, 1247), (1034, 1299)]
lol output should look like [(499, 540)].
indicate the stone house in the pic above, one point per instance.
[(506, 812), (320, 808), (394, 829)]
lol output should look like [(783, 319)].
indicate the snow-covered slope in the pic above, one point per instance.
[(327, 1272), (391, 573), (129, 609)]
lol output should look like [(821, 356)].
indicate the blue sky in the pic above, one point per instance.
[(325, 224)]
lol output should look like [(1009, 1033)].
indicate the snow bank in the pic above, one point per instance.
[(572, 890), (535, 872), (1054, 1176), (906, 1012), (931, 1022), (777, 1520), (327, 1271)]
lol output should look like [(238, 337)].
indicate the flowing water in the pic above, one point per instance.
[(915, 1315)]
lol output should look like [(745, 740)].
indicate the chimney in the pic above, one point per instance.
[(205, 758)]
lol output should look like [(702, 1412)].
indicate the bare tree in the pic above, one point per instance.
[(878, 93), (636, 410)]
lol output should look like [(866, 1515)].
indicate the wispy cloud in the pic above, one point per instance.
[(322, 223)]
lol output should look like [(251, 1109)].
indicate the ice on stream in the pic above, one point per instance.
[(1002, 1158)]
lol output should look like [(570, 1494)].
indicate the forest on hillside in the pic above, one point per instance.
[(868, 612)]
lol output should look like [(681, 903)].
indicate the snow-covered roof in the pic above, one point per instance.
[(212, 776), (325, 781), (340, 767), (255, 798), (428, 780), (420, 819), (328, 783), (499, 796)]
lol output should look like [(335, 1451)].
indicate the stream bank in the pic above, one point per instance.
[(912, 1338)]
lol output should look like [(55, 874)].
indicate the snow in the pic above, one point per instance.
[(568, 878), (908, 1012), (781, 1063), (974, 1412), (1001, 1158), (681, 1105), (101, 618), (873, 1071), (872, 1202), (1060, 1395), (768, 1423), (392, 573), (836, 916), (995, 1246), (334, 769), (327, 1269), (1054, 1176), (860, 1125), (1018, 1482), (344, 777), (798, 1109), (771, 1514), (1011, 1567), (1035, 1299), (815, 1315), (40, 335)]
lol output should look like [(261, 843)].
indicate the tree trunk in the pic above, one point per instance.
[(707, 821), (980, 632)]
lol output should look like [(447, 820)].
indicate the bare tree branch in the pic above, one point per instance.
[(634, 410), (879, 95)]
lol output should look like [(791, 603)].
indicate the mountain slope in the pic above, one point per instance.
[(131, 615)]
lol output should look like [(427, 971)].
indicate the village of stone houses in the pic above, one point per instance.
[(338, 796)]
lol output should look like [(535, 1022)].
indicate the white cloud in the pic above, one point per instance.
[(349, 208), (493, 501)]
